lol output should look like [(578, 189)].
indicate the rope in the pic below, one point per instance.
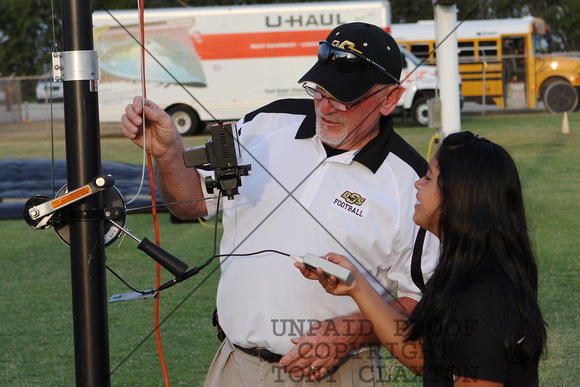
[(141, 6)]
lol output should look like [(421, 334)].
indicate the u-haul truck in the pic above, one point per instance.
[(219, 63)]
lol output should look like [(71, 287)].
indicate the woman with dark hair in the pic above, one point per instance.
[(479, 319)]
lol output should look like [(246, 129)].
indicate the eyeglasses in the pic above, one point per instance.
[(348, 61), (341, 106)]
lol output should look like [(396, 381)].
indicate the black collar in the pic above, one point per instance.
[(372, 154)]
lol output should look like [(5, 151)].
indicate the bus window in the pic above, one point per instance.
[(488, 49), (466, 50), (419, 50)]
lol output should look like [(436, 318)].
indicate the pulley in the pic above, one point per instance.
[(113, 208), (42, 212)]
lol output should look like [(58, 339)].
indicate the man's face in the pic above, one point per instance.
[(350, 129)]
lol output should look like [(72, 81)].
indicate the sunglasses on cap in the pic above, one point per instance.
[(348, 61)]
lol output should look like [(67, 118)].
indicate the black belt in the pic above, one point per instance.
[(261, 353)]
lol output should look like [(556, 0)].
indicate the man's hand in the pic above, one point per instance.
[(160, 138), (325, 345), (160, 134)]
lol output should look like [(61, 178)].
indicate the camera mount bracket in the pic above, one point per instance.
[(219, 155)]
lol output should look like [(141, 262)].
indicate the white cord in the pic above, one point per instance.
[(144, 162)]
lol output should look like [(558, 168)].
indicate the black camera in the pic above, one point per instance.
[(219, 154)]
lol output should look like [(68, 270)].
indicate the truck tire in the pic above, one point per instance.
[(560, 97), (420, 112), (185, 120)]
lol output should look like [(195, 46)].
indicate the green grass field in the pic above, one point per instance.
[(36, 333)]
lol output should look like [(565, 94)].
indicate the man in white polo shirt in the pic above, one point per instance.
[(326, 176)]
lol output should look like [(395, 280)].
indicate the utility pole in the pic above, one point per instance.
[(77, 67), (448, 65)]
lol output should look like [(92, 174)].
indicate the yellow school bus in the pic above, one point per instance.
[(504, 61)]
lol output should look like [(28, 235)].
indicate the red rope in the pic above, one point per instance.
[(153, 199)]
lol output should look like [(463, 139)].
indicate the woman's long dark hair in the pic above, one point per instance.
[(482, 226)]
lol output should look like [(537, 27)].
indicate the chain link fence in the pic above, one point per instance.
[(28, 98), (10, 101)]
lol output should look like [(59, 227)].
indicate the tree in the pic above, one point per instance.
[(30, 30), (26, 36), (403, 12), (563, 16)]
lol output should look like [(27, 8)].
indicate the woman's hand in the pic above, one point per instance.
[(331, 284)]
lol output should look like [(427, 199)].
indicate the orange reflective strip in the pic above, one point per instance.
[(70, 197)]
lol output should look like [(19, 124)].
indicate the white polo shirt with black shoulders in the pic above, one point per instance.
[(297, 200)]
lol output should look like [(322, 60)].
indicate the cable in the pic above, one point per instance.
[(142, 208), (191, 272), (434, 140), (55, 49), (203, 223), (217, 213), (140, 6), (127, 284)]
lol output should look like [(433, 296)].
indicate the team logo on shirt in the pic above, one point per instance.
[(351, 202), (353, 198)]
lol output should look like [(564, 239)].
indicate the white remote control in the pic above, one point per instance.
[(342, 274)]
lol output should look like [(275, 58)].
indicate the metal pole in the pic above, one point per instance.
[(87, 247), (448, 66), (483, 89)]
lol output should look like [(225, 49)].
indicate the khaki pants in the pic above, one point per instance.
[(234, 368)]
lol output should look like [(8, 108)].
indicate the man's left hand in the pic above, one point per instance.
[(325, 345)]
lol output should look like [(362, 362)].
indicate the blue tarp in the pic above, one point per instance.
[(21, 179)]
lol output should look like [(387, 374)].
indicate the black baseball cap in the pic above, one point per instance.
[(362, 39)]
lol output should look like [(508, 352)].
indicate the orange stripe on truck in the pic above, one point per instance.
[(258, 44)]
